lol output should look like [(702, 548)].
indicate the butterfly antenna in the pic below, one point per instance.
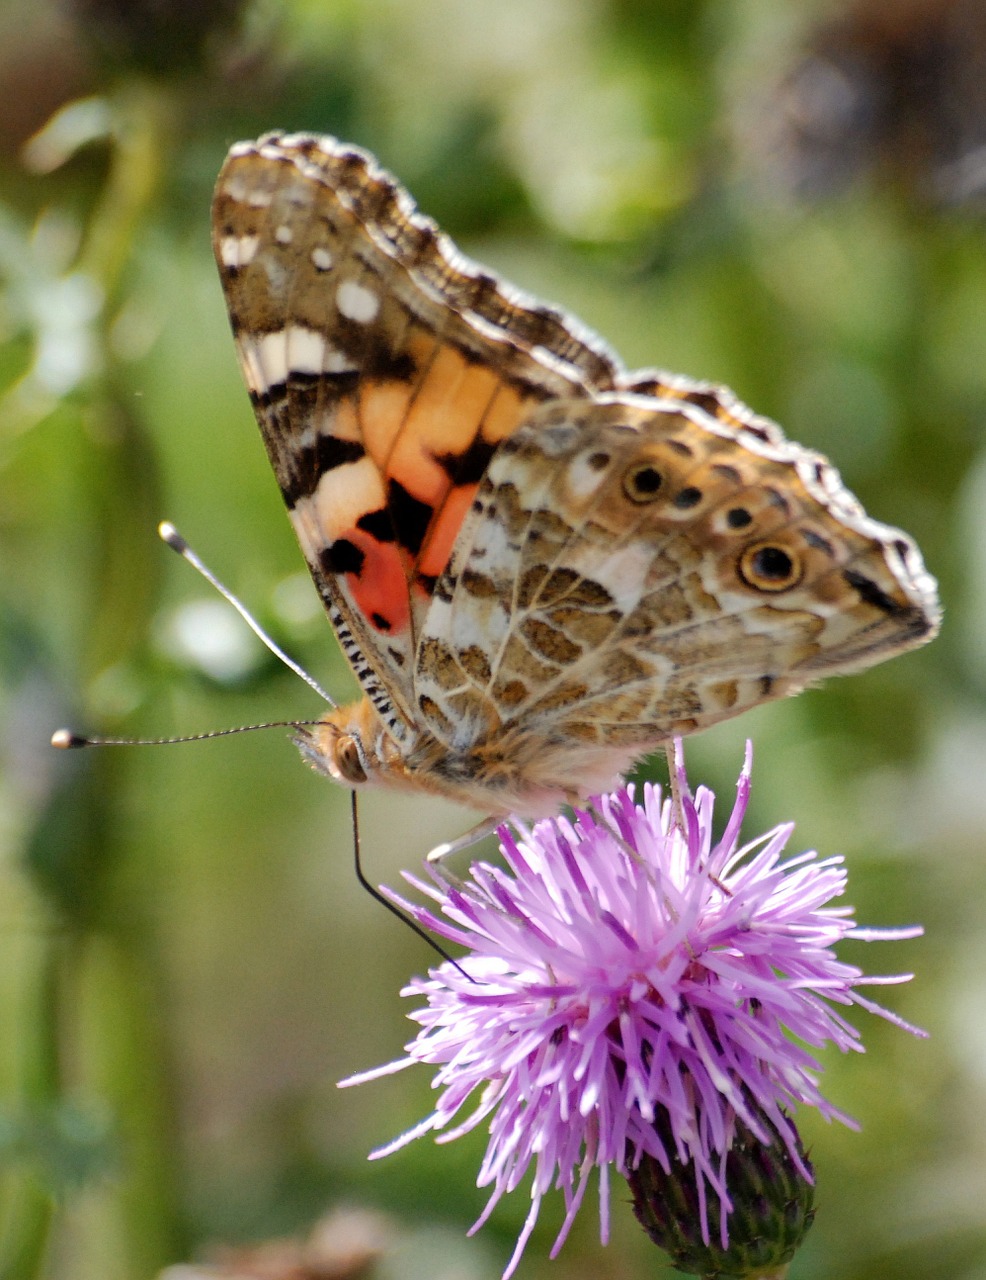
[(176, 542), (69, 740), (384, 901)]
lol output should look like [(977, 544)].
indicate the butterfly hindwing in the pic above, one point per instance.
[(634, 570)]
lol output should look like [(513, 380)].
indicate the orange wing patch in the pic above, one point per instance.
[(388, 519), (429, 442)]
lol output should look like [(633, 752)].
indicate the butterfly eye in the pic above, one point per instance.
[(770, 568), (642, 483), (349, 761)]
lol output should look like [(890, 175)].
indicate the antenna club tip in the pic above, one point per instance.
[(66, 740), (169, 534)]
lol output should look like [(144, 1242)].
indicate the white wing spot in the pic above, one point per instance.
[(305, 349), (583, 479), (356, 302), (265, 360), (234, 186), (284, 234), (269, 360), (237, 251), (322, 259), (337, 361)]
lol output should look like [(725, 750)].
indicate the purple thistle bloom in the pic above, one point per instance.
[(626, 969)]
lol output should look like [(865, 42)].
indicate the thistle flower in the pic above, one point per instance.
[(634, 991)]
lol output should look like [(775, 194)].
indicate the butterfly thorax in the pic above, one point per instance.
[(504, 773)]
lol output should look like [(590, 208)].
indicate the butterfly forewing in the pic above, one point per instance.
[(365, 340)]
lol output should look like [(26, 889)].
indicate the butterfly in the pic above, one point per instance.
[(540, 566)]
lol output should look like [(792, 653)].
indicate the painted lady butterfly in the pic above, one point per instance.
[(540, 565)]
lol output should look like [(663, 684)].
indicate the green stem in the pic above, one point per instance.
[(32, 1211), (25, 1246), (96, 1021), (119, 982)]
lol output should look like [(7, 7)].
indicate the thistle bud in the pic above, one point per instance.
[(772, 1194)]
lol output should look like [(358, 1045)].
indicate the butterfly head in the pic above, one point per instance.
[(351, 746), (338, 746)]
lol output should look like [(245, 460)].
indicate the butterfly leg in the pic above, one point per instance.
[(675, 775), (472, 836)]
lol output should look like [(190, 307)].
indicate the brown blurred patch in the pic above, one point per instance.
[(41, 69), (894, 89), (344, 1245)]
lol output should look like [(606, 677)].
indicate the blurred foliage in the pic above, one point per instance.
[(786, 198)]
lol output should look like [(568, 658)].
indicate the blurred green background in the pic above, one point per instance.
[(788, 198)]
